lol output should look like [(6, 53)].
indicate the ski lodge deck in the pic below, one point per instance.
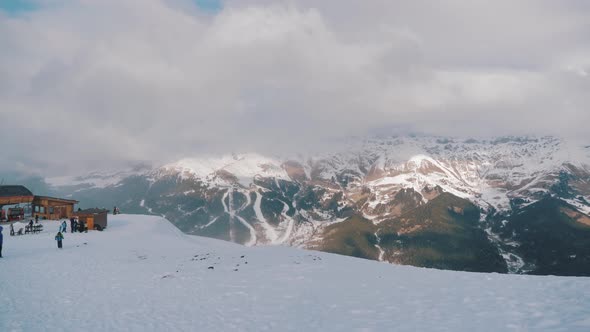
[(20, 198)]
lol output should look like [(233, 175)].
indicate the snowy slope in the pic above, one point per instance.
[(488, 172), (243, 167), (142, 274)]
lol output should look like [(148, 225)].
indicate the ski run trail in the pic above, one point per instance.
[(290, 223), (142, 274), (228, 208), (269, 231)]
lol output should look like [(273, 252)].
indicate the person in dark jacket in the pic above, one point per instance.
[(64, 226), (1, 240), (59, 237)]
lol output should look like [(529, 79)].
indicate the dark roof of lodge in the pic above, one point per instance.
[(11, 191), (57, 199), (92, 211)]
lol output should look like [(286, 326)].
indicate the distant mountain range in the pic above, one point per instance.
[(509, 204)]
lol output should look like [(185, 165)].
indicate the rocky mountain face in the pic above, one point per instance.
[(510, 204)]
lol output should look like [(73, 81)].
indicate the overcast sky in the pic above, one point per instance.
[(88, 84)]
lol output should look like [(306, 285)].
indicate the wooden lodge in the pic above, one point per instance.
[(53, 208), (93, 218)]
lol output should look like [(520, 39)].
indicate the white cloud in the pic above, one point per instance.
[(101, 83)]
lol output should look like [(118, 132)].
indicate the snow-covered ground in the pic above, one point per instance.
[(142, 274)]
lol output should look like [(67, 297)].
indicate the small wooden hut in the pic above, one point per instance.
[(93, 218), (53, 208)]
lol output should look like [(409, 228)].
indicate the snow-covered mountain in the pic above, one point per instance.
[(142, 274), (393, 184)]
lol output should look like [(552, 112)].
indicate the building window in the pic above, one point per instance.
[(37, 208), (41, 209), (51, 210)]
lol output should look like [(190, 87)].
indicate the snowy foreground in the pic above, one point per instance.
[(142, 274)]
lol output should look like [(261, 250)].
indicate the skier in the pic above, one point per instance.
[(64, 227), (1, 238), (59, 237), (11, 229), (72, 225)]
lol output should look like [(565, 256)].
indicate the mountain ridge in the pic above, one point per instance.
[(255, 199)]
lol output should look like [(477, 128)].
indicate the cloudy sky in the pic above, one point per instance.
[(88, 84)]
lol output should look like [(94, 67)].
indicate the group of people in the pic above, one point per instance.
[(75, 226), (30, 227)]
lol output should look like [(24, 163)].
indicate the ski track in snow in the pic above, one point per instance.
[(228, 208), (253, 238), (269, 231), (290, 224), (230, 213), (143, 274), (381, 252), (209, 223), (252, 232)]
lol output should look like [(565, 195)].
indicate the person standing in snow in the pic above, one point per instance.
[(64, 227), (59, 237), (1, 239)]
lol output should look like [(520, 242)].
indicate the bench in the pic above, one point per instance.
[(38, 228)]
